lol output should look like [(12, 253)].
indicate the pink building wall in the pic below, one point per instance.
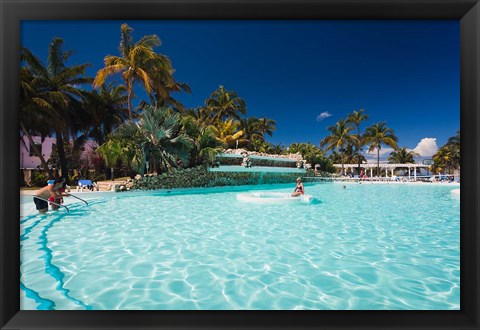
[(32, 162)]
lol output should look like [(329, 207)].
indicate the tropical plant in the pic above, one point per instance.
[(356, 118), (402, 156), (58, 94), (323, 164), (205, 146), (350, 154), (225, 105), (295, 148), (164, 85), (107, 109), (202, 115), (113, 151), (72, 156), (33, 114), (39, 179), (455, 140), (266, 126), (138, 63), (336, 157), (340, 136), (158, 138), (251, 131), (377, 135), (447, 157), (259, 145), (276, 149), (228, 133)]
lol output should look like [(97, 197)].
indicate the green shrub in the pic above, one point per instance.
[(39, 179), (95, 177), (73, 179)]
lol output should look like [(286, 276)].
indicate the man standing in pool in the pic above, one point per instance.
[(58, 199), (42, 195), (299, 190)]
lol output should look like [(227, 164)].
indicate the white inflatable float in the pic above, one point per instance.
[(273, 198)]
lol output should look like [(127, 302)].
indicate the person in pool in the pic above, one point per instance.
[(58, 199), (44, 194), (299, 189)]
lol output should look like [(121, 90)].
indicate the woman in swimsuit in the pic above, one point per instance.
[(299, 190)]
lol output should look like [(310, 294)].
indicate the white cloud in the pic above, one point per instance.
[(427, 147), (323, 115), (372, 155)]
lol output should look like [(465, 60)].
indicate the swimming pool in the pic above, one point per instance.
[(365, 247)]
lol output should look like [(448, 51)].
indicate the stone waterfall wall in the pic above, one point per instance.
[(201, 177)]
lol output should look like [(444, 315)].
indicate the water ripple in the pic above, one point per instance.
[(366, 247)]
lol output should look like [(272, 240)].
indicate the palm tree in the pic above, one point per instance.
[(349, 154), (138, 62), (205, 145), (33, 113), (162, 91), (356, 118), (448, 156), (402, 156), (455, 139), (260, 145), (336, 157), (228, 133), (295, 147), (225, 105), (267, 126), (276, 149), (309, 152), (158, 138), (202, 115), (442, 160), (107, 109), (251, 129), (112, 151), (339, 138), (377, 135), (58, 92)]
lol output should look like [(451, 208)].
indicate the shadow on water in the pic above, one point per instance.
[(317, 201)]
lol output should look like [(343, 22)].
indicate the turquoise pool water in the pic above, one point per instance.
[(366, 247)]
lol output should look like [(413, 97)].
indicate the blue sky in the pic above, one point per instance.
[(406, 73)]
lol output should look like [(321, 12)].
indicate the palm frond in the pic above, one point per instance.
[(102, 74)]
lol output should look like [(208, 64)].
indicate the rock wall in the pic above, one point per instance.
[(201, 177)]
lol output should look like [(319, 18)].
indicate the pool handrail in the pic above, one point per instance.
[(76, 197), (46, 200)]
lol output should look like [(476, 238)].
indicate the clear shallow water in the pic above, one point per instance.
[(364, 247)]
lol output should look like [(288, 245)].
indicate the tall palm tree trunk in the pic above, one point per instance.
[(35, 149), (61, 155), (130, 92), (378, 161), (358, 150), (129, 84), (359, 161)]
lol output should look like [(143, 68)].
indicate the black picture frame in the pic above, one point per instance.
[(13, 11)]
